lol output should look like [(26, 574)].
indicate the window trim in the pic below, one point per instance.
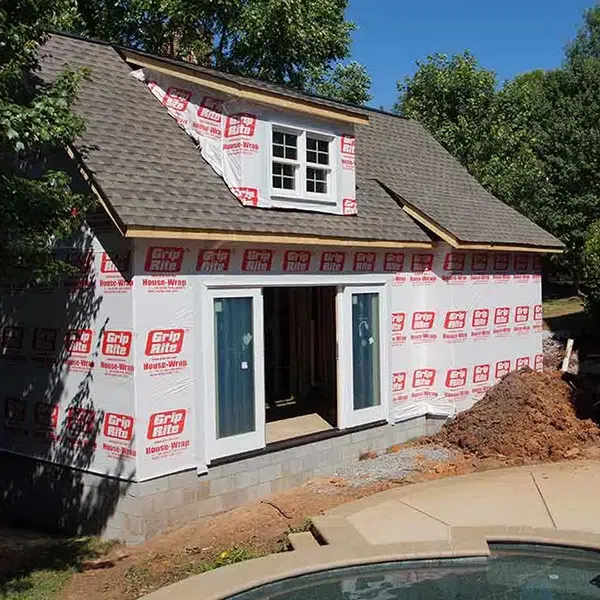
[(301, 165)]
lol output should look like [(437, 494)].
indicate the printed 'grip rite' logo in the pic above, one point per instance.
[(248, 196), (398, 320), (423, 320), (421, 263), (118, 427), (398, 381), (481, 317), (166, 424), (393, 261), (213, 261), (210, 109), (164, 342), (364, 261), (176, 98), (81, 420), (455, 319), (12, 338), (45, 417), (115, 264), (481, 373), (117, 343), (456, 377), (348, 145), (240, 125), (79, 341), (423, 378), (479, 261), (454, 261), (164, 259), (349, 206), (296, 261), (44, 339)]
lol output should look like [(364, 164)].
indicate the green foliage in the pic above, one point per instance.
[(228, 557), (534, 142), (587, 42), (349, 83), (295, 42), (452, 98), (37, 204), (591, 271)]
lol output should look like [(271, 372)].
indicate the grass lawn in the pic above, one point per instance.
[(564, 314), (39, 570), (559, 307)]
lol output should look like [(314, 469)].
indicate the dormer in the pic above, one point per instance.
[(273, 147)]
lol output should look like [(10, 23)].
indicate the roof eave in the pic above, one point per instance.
[(247, 92), (269, 238), (451, 239)]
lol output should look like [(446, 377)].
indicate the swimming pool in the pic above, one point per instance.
[(523, 571)]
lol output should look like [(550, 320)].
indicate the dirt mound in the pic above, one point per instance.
[(527, 415)]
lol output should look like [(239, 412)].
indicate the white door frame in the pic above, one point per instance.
[(217, 448), (347, 416)]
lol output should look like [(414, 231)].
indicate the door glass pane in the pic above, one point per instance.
[(365, 350), (234, 365)]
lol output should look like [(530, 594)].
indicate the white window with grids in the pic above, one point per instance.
[(301, 165)]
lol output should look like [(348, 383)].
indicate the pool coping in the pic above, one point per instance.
[(464, 542)]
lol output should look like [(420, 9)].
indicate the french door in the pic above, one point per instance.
[(362, 359), (235, 382)]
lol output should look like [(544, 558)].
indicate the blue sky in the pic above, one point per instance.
[(507, 36)]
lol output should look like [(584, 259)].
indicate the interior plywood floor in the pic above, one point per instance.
[(286, 429)]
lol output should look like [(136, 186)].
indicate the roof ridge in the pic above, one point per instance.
[(220, 72)]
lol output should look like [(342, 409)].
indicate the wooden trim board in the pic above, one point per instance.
[(267, 238), (248, 92), (445, 235)]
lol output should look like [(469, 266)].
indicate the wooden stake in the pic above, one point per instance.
[(567, 358)]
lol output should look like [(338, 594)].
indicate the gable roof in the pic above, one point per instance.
[(152, 178)]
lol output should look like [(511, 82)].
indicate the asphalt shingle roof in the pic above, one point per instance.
[(406, 158), (153, 175)]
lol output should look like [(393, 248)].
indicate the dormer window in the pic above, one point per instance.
[(301, 165), (285, 160), (317, 153)]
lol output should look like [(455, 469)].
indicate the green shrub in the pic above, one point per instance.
[(591, 271)]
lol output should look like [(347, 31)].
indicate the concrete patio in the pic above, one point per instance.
[(454, 517)]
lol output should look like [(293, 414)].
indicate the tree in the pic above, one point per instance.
[(591, 271), (452, 98), (587, 42), (300, 43), (37, 204), (349, 83), (570, 147), (534, 142)]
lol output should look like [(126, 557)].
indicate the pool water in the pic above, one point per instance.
[(524, 572)]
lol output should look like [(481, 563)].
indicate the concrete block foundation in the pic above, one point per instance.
[(57, 498)]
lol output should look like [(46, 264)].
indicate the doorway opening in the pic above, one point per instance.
[(300, 361)]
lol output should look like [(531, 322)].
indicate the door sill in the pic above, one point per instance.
[(295, 442)]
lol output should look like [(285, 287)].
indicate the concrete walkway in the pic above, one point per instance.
[(454, 517), (552, 497)]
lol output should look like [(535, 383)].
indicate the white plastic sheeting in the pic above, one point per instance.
[(67, 363), (105, 372), (164, 324), (235, 139), (458, 321)]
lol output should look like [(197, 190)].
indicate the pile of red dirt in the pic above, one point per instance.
[(528, 416)]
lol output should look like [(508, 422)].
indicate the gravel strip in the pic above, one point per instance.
[(392, 466)]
